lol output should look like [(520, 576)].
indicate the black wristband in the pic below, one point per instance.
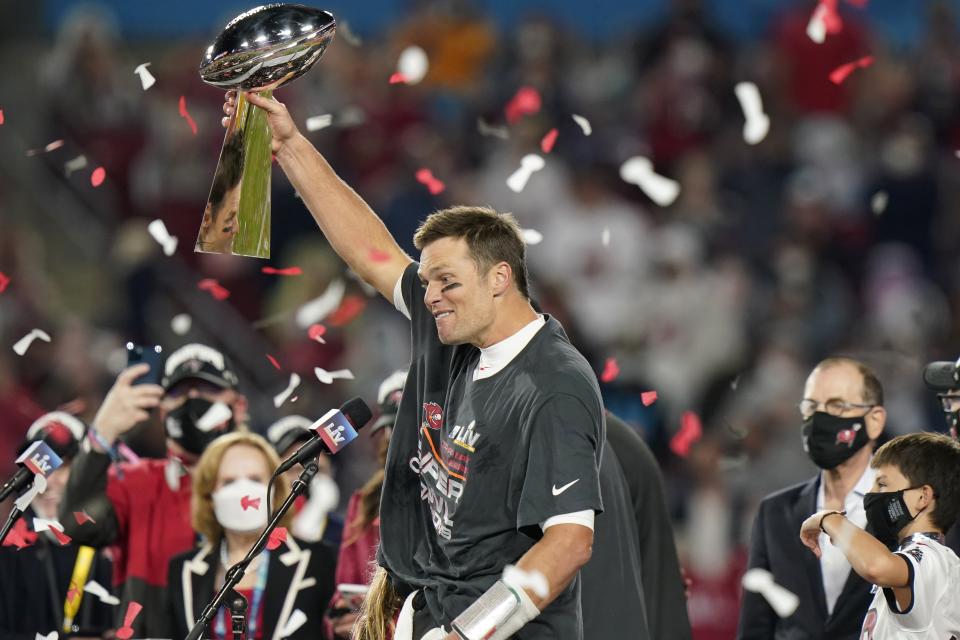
[(830, 513)]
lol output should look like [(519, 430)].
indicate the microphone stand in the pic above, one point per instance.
[(236, 602), (12, 518)]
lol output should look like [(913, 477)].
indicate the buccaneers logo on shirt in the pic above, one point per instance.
[(433, 413), (847, 436)]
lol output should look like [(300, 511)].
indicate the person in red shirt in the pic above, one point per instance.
[(142, 508)]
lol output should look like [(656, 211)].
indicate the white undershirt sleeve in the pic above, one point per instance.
[(398, 298), (584, 518)]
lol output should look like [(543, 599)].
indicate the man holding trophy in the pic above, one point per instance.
[(495, 390)]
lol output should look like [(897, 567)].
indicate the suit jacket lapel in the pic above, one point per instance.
[(286, 576), (803, 508), (197, 583)]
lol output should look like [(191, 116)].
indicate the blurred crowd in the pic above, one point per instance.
[(838, 233)]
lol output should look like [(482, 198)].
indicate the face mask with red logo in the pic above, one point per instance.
[(830, 440)]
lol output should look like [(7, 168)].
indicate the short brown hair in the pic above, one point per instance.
[(872, 391), (205, 479), (491, 236), (932, 459)]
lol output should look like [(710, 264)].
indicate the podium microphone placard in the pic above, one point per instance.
[(335, 430)]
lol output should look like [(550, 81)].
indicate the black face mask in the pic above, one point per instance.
[(831, 440), (887, 515), (181, 425)]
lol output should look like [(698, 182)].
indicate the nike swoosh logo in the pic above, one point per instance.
[(557, 492)]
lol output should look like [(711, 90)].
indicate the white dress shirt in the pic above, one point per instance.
[(833, 564)]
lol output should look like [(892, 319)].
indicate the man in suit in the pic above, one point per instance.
[(843, 415)]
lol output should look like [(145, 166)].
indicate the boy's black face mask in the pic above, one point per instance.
[(887, 515)]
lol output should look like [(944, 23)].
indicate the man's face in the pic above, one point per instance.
[(836, 389), (220, 227), (456, 294), (950, 403)]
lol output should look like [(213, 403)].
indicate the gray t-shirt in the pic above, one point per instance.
[(475, 466)]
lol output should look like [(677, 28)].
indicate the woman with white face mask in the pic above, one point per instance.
[(286, 588)]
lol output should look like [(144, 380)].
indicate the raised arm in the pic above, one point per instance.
[(349, 224)]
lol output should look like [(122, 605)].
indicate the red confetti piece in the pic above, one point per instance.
[(246, 502), (838, 75), (98, 176), (211, 285), (610, 370), (274, 362), (426, 177), (316, 331), (648, 398), (82, 517), (126, 631), (61, 537), (525, 102), (690, 431), (1, 116), (832, 21), (4, 281), (277, 537), (20, 536), (72, 592), (549, 140), (289, 271), (186, 115), (349, 309), (398, 78)]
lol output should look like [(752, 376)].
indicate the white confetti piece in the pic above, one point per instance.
[(817, 27), (181, 324), (346, 32), (294, 622), (76, 164), (605, 237), (413, 64), (535, 580), (639, 171), (327, 377), (528, 165), (281, 397), (217, 414), (315, 123), (319, 308), (159, 232), (531, 236), (146, 78), (24, 343), (43, 524), (95, 589), (53, 635), (39, 486), (760, 581), (51, 146), (584, 124), (487, 129), (757, 123), (878, 203)]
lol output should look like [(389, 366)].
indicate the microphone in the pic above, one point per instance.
[(942, 376), (37, 458), (334, 430)]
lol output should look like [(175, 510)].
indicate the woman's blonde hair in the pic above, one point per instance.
[(379, 607), (205, 479)]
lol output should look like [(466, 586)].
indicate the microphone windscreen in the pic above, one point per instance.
[(941, 376), (357, 412)]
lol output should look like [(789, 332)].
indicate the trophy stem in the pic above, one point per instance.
[(237, 216)]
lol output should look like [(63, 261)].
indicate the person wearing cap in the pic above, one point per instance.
[(314, 519), (37, 593), (142, 508), (943, 377), (358, 553)]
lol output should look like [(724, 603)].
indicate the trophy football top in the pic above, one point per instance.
[(267, 46)]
